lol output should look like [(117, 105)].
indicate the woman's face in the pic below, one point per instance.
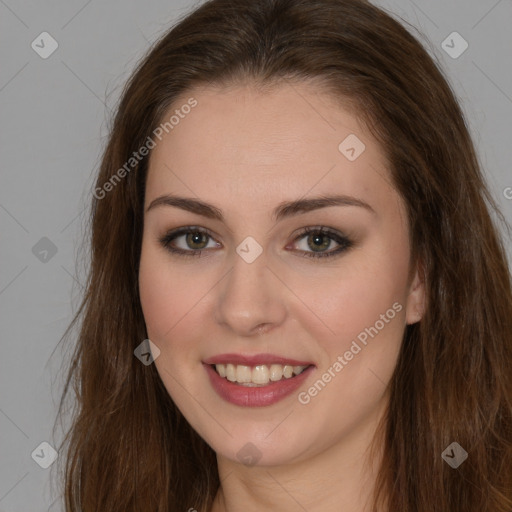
[(255, 294)]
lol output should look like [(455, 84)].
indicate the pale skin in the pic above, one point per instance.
[(246, 152)]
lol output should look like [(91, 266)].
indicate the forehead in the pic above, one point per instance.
[(241, 144)]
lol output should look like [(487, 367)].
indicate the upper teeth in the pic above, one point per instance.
[(261, 374)]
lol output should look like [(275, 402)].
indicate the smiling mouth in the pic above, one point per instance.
[(259, 375)]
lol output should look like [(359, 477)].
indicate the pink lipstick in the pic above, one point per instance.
[(272, 379)]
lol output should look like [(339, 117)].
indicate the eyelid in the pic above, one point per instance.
[(171, 235), (342, 240)]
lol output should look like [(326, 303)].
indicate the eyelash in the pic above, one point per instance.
[(344, 242)]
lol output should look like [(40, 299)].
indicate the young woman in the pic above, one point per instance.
[(297, 297)]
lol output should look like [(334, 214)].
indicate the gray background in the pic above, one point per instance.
[(53, 128)]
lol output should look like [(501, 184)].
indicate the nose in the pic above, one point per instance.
[(251, 300)]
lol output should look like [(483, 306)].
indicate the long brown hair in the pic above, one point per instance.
[(129, 448)]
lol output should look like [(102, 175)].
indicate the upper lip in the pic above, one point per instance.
[(254, 360)]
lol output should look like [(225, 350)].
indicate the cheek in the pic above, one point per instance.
[(165, 304), (156, 299), (171, 298), (362, 301), (354, 297), (163, 295)]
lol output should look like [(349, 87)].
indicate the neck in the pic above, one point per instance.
[(340, 478)]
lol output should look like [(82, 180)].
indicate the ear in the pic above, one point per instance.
[(415, 306)]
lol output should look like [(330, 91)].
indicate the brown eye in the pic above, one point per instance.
[(196, 238), (320, 239), (194, 241)]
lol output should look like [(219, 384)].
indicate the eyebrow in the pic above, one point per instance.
[(283, 210)]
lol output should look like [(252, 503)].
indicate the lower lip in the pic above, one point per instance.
[(255, 396)]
